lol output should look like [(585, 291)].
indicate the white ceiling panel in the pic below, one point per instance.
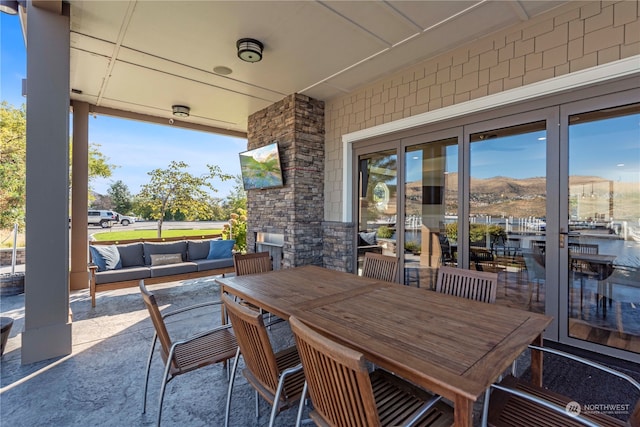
[(147, 55)]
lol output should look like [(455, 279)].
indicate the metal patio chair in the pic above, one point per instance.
[(277, 377), (186, 355), (345, 394)]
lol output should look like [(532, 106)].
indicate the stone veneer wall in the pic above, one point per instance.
[(338, 247), (295, 210)]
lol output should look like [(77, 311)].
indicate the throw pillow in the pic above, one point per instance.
[(219, 249), (165, 259), (105, 257)]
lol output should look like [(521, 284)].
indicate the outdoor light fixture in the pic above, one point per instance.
[(9, 7), (180, 110), (249, 50)]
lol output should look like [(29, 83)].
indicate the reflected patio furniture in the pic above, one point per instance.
[(519, 403), (277, 377), (475, 285), (342, 388), (202, 349), (381, 267), (536, 272)]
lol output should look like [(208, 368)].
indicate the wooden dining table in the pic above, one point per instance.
[(451, 346)]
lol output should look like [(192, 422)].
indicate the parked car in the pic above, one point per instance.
[(125, 219), (103, 218)]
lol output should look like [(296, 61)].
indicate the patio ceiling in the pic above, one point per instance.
[(145, 56)]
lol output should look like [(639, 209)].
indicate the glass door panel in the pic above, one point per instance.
[(377, 207), (604, 227), (430, 208), (507, 211)]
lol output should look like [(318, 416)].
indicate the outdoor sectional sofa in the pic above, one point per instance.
[(117, 265)]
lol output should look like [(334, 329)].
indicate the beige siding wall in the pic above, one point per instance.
[(577, 36)]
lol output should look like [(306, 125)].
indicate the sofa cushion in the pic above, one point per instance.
[(212, 264), (219, 249), (166, 270), (106, 257), (152, 248), (165, 259), (198, 249), (367, 239), (131, 254), (131, 273)]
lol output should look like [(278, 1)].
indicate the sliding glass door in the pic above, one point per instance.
[(603, 219), (430, 210), (377, 204), (508, 210)]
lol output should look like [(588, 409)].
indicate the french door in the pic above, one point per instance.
[(548, 199)]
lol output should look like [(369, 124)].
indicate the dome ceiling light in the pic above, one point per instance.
[(249, 50)]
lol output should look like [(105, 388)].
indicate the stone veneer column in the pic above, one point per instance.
[(296, 210)]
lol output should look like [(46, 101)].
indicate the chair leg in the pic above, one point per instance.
[(485, 407), (276, 399), (146, 378), (230, 389), (301, 406), (257, 400), (163, 386)]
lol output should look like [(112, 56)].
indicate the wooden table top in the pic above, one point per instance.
[(280, 290), (449, 345), (452, 346)]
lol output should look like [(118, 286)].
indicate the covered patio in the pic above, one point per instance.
[(334, 76), (101, 381)]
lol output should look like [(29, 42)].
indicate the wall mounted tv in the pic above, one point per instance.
[(261, 167)]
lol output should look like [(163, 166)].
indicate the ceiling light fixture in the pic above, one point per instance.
[(180, 110), (9, 7), (249, 50)]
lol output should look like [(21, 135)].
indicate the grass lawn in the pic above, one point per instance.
[(138, 234)]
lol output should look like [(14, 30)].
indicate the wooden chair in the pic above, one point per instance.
[(471, 284), (277, 377), (381, 267), (344, 393), (254, 263), (203, 349), (515, 402)]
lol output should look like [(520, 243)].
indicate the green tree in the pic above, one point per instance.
[(174, 190), (99, 166), (236, 199), (13, 150), (13, 158), (120, 197)]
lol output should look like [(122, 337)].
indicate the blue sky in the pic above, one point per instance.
[(135, 147)]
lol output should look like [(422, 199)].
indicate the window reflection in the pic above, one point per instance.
[(604, 224), (507, 211)]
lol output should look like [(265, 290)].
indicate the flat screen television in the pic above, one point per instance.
[(261, 167)]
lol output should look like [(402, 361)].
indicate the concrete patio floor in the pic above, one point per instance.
[(101, 382)]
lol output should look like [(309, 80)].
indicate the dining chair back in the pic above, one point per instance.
[(381, 267), (179, 357), (253, 263), (277, 377), (343, 392), (470, 284)]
